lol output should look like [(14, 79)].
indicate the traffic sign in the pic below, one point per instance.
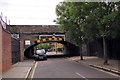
[(38, 41)]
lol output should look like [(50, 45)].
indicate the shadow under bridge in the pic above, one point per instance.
[(69, 49)]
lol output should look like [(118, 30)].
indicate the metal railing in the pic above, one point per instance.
[(3, 23)]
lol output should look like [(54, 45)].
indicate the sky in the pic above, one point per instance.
[(29, 12)]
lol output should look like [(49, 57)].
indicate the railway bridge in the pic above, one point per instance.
[(28, 36)]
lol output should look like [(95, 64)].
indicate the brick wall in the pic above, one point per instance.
[(21, 50), (0, 48), (6, 50), (34, 28)]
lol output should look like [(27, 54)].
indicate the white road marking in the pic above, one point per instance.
[(28, 72), (81, 75), (34, 70), (106, 72), (95, 68)]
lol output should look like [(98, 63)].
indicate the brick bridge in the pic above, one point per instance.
[(31, 33)]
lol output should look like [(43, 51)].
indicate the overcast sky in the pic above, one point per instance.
[(29, 12)]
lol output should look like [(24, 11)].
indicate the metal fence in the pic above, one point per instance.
[(15, 50)]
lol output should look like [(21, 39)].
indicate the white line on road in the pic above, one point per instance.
[(95, 68), (34, 70), (81, 75), (106, 72), (28, 73)]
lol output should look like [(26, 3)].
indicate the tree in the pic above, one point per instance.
[(86, 21), (45, 46), (106, 19), (70, 22), (103, 17), (72, 17)]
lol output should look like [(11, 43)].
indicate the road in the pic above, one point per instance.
[(54, 53), (64, 68)]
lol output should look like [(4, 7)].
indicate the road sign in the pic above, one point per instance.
[(38, 41), (50, 39), (53, 36), (55, 39), (60, 39), (27, 42), (44, 40)]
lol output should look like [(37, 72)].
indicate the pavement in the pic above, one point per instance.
[(114, 65), (19, 70)]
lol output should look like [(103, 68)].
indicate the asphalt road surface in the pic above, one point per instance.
[(66, 69)]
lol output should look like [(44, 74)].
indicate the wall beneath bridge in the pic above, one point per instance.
[(71, 49)]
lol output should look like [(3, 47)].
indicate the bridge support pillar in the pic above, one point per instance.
[(21, 50)]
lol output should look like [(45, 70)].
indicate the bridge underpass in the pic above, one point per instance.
[(69, 49), (33, 32)]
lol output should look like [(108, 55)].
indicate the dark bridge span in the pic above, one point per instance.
[(69, 49)]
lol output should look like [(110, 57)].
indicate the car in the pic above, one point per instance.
[(41, 54), (49, 50)]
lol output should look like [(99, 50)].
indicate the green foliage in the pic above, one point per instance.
[(85, 21), (43, 46)]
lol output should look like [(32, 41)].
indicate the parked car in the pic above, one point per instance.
[(41, 54), (49, 50)]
